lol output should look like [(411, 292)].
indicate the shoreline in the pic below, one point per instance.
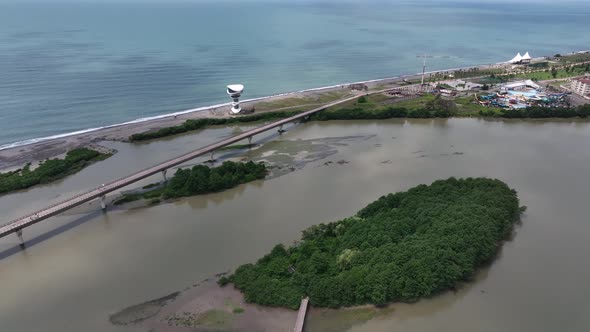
[(194, 307), (32, 150)]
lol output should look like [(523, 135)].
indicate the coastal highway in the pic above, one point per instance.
[(17, 225)]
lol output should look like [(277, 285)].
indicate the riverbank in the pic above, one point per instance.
[(205, 306), (20, 153), (51, 170), (16, 156), (165, 248)]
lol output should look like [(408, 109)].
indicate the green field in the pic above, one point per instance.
[(293, 102), (573, 58), (546, 75), (468, 106)]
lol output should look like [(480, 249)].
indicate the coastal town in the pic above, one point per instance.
[(524, 82)]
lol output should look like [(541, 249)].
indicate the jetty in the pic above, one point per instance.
[(301, 315)]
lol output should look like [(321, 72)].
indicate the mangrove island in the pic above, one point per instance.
[(402, 247)]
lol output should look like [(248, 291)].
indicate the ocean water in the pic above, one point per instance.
[(66, 67)]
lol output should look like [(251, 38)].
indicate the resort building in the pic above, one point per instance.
[(581, 86)]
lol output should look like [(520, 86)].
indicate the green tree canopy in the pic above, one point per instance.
[(401, 247)]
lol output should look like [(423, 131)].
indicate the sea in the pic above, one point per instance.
[(68, 66)]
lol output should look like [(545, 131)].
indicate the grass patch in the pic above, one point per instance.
[(573, 58), (214, 318), (417, 103), (543, 76), (469, 106), (151, 185), (238, 310), (237, 147), (196, 124), (321, 98), (128, 198)]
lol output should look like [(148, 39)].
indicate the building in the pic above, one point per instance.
[(235, 91), (581, 86), (520, 85)]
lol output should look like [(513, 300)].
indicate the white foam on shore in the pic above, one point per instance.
[(206, 108), (199, 109)]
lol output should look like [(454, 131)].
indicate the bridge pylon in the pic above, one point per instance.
[(164, 175), (103, 202), (19, 234)]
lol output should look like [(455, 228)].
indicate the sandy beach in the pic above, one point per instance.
[(20, 155), (13, 157)]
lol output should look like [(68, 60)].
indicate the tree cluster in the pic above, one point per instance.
[(195, 124), (49, 170), (203, 179), (439, 108), (401, 247), (581, 111)]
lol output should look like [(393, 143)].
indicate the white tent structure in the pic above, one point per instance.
[(516, 59), (532, 84), (526, 56), (521, 58)]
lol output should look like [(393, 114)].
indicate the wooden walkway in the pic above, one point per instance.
[(301, 315), (15, 226)]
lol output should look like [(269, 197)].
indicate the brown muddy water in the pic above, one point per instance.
[(80, 268)]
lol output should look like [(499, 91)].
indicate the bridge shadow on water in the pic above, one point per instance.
[(49, 234), (89, 215)]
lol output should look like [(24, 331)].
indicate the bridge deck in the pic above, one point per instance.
[(52, 210)]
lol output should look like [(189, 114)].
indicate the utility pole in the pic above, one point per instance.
[(429, 56), (424, 56)]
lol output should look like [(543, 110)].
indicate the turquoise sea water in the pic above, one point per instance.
[(71, 66)]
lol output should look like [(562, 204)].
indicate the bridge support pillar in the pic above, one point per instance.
[(249, 142), (212, 160), (19, 233), (164, 175), (103, 202), (281, 129)]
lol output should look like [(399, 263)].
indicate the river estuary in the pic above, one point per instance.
[(80, 268)]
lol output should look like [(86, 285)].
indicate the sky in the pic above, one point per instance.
[(163, 1)]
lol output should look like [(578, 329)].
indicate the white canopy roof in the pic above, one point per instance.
[(516, 59), (532, 84), (526, 56)]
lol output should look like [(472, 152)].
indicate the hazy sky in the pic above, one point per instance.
[(163, 1)]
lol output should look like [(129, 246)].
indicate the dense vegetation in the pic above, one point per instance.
[(195, 124), (441, 108), (428, 107), (372, 108), (402, 247), (202, 179), (582, 111), (49, 170)]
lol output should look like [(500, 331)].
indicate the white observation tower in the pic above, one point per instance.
[(234, 91)]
